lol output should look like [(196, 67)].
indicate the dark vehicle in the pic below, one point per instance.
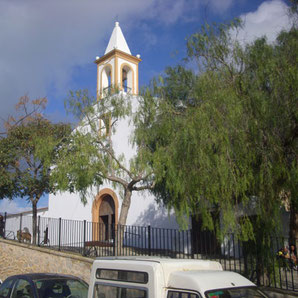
[(43, 285)]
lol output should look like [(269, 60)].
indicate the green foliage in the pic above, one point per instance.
[(7, 179), (77, 165), (223, 142), (26, 152), (89, 157)]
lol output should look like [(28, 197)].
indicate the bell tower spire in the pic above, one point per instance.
[(117, 69)]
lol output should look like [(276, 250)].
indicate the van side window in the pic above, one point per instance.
[(122, 275), (111, 291), (182, 294)]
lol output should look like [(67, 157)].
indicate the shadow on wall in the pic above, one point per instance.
[(157, 216), (163, 235)]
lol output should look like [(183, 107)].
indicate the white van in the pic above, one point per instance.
[(147, 277)]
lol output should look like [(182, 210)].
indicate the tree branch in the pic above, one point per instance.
[(144, 187), (117, 179), (110, 152)]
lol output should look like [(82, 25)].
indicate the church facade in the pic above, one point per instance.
[(116, 69)]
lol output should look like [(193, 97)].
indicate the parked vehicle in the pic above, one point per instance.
[(131, 277), (43, 285)]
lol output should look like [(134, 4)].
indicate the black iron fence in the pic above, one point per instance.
[(269, 265)]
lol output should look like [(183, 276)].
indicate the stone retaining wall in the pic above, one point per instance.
[(17, 258)]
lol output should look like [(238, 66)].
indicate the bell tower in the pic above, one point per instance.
[(117, 69)]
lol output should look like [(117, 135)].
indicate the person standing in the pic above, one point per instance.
[(2, 225), (293, 256)]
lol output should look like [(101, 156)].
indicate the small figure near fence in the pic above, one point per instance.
[(288, 256), (293, 257), (2, 226), (281, 253), (46, 240), (24, 236)]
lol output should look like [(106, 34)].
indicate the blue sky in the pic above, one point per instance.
[(48, 47)]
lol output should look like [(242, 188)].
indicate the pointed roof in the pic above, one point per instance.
[(117, 41)]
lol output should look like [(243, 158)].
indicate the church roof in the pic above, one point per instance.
[(117, 41)]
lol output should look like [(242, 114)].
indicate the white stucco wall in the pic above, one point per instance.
[(143, 211)]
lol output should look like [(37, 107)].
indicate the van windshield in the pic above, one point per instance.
[(235, 293)]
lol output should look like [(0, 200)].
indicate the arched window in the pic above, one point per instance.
[(105, 124), (124, 80), (106, 80), (127, 78)]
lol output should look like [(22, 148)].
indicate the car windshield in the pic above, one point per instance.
[(50, 288), (234, 293)]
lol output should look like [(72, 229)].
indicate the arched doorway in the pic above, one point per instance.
[(107, 218), (104, 215)]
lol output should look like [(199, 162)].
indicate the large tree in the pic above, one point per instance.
[(89, 158), (25, 110), (223, 140), (27, 152)]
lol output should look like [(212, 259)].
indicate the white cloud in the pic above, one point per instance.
[(268, 20), (42, 41), (11, 207), (220, 6), (169, 12)]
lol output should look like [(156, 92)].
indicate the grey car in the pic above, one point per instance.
[(43, 285)]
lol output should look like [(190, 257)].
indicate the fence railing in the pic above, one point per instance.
[(272, 268)]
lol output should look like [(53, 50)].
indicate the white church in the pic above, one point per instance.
[(117, 67)]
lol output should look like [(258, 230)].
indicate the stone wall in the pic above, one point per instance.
[(17, 258)]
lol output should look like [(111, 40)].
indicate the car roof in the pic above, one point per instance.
[(45, 276)]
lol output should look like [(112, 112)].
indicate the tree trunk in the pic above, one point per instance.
[(125, 207), (293, 233), (34, 220), (119, 235)]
